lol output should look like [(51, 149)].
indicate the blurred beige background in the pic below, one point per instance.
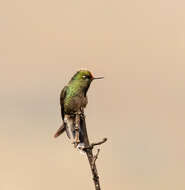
[(139, 46)]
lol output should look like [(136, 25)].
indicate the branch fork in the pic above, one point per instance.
[(95, 158)]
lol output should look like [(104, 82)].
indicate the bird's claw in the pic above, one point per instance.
[(75, 143)]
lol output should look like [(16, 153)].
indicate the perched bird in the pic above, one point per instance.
[(73, 100)]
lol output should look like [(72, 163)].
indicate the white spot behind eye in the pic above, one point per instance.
[(84, 76)]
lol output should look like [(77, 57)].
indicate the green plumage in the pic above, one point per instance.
[(73, 100)]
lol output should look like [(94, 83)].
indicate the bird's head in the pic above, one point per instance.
[(84, 76)]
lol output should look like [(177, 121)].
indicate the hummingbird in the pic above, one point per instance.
[(73, 100)]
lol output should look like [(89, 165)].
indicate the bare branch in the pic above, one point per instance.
[(99, 143), (95, 158), (91, 146)]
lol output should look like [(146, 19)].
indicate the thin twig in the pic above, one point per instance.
[(95, 157), (99, 143), (91, 146)]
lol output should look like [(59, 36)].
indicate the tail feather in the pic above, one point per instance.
[(60, 130)]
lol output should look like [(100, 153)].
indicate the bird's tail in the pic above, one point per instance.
[(61, 129)]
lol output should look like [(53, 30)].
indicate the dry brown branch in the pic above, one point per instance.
[(95, 157), (92, 159), (91, 146)]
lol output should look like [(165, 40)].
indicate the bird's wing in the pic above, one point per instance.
[(63, 126), (62, 97)]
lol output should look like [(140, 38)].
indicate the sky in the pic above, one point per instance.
[(138, 46)]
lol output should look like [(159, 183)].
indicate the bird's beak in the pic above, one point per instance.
[(94, 78)]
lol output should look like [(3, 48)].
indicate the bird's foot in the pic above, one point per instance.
[(80, 148), (82, 115), (75, 143)]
